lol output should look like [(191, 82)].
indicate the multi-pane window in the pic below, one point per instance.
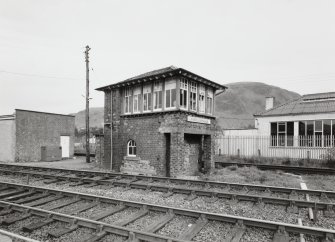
[(127, 103), (158, 95), (170, 94), (183, 93), (282, 133), (193, 96), (131, 148), (209, 102), (147, 99), (317, 133), (136, 99), (327, 132), (202, 102)]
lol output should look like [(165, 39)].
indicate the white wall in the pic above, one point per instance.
[(240, 132), (7, 140), (263, 123)]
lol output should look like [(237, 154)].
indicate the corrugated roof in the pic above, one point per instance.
[(307, 104), (163, 73)]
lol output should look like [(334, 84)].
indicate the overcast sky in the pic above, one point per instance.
[(286, 43)]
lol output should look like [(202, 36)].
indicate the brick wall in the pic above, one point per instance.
[(149, 131), (36, 129), (7, 140)]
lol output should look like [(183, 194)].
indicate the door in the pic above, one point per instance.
[(65, 144), (192, 153)]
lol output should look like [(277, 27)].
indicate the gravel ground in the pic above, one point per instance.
[(253, 175), (255, 234), (177, 226), (50, 204), (113, 238), (71, 208), (322, 221), (93, 211), (145, 221), (214, 232), (117, 217), (79, 234)]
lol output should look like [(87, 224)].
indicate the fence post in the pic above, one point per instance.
[(238, 153)]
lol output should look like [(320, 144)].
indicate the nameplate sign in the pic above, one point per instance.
[(198, 120)]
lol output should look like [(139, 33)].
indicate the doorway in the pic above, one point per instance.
[(65, 144), (193, 153), (167, 154)]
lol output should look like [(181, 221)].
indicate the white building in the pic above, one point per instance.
[(303, 128)]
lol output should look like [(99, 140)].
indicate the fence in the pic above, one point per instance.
[(318, 147)]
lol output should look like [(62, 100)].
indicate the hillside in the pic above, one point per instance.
[(96, 118), (234, 108)]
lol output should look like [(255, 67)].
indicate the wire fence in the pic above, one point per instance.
[(318, 147)]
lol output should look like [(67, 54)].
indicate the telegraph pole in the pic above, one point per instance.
[(87, 106)]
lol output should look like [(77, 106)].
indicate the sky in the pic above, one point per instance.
[(286, 43)]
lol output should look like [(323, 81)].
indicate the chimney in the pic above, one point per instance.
[(269, 101)]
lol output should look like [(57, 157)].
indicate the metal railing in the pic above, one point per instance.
[(318, 147)]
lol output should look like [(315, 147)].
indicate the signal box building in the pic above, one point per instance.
[(160, 123)]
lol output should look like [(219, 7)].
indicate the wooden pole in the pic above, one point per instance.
[(87, 106)]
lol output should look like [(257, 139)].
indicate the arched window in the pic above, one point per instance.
[(131, 148)]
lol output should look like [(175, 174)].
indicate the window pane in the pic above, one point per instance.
[(326, 127), (290, 133), (160, 98), (173, 98), (310, 133), (318, 125), (145, 102), (149, 101), (302, 128), (281, 139), (167, 99), (310, 127), (281, 127), (273, 134)]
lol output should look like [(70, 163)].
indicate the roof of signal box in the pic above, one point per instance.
[(161, 74)]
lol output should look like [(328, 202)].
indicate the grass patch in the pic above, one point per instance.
[(253, 175), (285, 161), (320, 182)]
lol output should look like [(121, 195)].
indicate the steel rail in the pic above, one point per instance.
[(207, 183), (294, 169), (264, 224), (16, 236), (188, 191), (88, 223)]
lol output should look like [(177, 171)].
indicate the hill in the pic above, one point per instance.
[(234, 108), (96, 118)]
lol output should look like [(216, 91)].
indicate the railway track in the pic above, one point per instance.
[(132, 221), (214, 189), (292, 169)]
